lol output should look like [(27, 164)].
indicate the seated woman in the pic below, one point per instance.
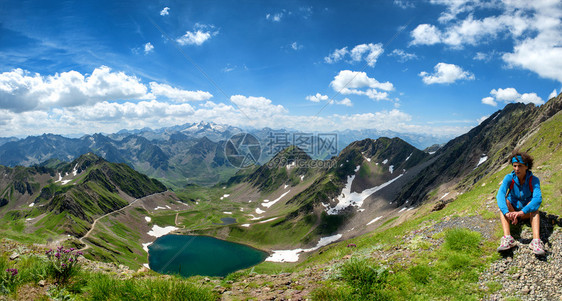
[(519, 198)]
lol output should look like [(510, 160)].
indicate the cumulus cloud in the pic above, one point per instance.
[(178, 95), (425, 34), (402, 55), (489, 101), (22, 91), (257, 106), (148, 48), (200, 34), (445, 74), (317, 98), (540, 54), (509, 95), (535, 28), (165, 11), (367, 52), (553, 94), (336, 56), (358, 83)]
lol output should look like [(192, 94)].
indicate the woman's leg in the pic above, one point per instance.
[(504, 221), (536, 224), (505, 225)]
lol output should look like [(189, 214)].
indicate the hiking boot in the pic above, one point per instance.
[(507, 242), (537, 246)]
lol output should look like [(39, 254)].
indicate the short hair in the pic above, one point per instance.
[(526, 158)]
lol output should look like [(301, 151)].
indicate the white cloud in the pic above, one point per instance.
[(296, 46), (531, 98), (275, 17), (367, 52), (346, 102), (22, 91), (481, 56), (178, 95), (228, 68), (148, 48), (403, 56), (255, 112), (317, 98), (257, 106), (553, 94), (379, 120), (425, 34), (336, 56), (165, 11), (540, 54), (489, 101), (455, 7), (352, 82), (373, 51), (445, 74), (200, 34), (404, 4), (508, 95), (535, 28), (101, 117)]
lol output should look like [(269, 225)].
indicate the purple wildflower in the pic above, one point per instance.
[(71, 249), (71, 259), (80, 253), (57, 255), (13, 271)]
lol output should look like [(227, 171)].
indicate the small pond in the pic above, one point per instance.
[(190, 255)]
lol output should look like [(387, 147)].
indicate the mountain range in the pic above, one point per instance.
[(190, 153), (290, 201)]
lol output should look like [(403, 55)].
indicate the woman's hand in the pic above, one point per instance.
[(512, 216)]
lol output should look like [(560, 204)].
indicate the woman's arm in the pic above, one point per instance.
[(500, 197)]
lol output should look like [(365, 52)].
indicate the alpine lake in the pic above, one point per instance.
[(189, 255)]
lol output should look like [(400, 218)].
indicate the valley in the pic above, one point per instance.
[(380, 201)]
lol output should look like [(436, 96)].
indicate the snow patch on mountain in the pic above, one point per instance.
[(348, 198), (268, 204), (293, 255)]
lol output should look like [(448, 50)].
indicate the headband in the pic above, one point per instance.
[(518, 159)]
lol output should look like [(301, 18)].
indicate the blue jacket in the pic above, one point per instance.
[(520, 196)]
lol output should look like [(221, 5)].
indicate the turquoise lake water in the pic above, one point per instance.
[(189, 255)]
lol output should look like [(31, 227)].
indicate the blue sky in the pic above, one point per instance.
[(435, 66)]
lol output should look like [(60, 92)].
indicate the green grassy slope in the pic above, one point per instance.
[(442, 265)]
